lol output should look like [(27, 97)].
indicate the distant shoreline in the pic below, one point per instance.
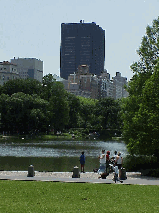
[(23, 138)]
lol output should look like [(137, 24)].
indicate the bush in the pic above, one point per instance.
[(79, 132), (139, 163)]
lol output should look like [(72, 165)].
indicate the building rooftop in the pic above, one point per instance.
[(25, 58), (7, 63)]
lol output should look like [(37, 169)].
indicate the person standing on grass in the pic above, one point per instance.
[(119, 162), (82, 161)]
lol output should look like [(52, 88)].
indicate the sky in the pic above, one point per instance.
[(32, 29)]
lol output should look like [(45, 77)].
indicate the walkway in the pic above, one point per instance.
[(88, 177)]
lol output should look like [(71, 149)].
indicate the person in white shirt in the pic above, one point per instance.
[(119, 162), (113, 159), (115, 155), (102, 160)]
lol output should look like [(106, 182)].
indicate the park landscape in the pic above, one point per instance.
[(48, 109)]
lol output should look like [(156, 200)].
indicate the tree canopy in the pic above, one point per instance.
[(28, 106), (140, 109), (22, 113), (27, 86)]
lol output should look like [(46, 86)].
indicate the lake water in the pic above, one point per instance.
[(54, 155)]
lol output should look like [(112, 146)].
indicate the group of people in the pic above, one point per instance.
[(105, 161)]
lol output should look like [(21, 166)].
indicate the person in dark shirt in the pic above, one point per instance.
[(107, 162), (82, 161)]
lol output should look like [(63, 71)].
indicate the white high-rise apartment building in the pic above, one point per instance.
[(107, 86), (119, 90)]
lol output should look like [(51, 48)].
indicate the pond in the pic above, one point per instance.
[(59, 156)]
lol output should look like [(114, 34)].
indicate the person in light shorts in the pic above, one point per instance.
[(119, 162), (102, 160)]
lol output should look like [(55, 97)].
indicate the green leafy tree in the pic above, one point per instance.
[(59, 111), (48, 83), (87, 107), (27, 86), (108, 113), (150, 107), (74, 110), (148, 53), (23, 113), (56, 95), (145, 121), (140, 108)]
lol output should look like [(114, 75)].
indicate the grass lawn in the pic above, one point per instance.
[(27, 196)]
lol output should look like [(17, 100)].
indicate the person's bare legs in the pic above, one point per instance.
[(82, 168), (119, 173)]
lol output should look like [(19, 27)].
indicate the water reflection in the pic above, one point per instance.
[(59, 156), (60, 148)]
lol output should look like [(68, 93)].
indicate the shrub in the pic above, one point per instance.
[(139, 163)]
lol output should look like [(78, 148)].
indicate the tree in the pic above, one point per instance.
[(87, 106), (48, 83), (140, 109), (74, 110), (58, 109), (23, 113), (27, 86), (107, 113), (145, 121), (150, 107)]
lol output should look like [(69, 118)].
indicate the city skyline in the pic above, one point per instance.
[(32, 29)]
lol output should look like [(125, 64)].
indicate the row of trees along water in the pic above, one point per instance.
[(28, 106)]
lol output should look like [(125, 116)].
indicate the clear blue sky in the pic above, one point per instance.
[(32, 28)]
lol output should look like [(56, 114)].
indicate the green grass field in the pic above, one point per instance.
[(28, 196)]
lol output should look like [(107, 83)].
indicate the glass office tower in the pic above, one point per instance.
[(81, 43)]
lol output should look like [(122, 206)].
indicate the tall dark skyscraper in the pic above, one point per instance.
[(81, 43)]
